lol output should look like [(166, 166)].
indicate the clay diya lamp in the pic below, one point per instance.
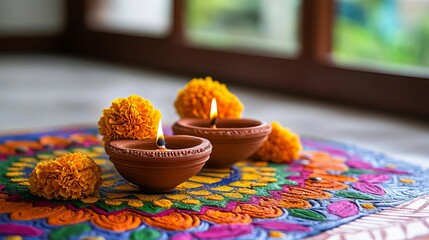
[(156, 167), (232, 139)]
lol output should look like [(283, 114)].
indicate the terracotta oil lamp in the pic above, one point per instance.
[(162, 164), (232, 139)]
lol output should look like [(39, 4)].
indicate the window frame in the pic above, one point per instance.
[(312, 73)]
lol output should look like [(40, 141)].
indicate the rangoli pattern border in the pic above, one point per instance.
[(330, 185)]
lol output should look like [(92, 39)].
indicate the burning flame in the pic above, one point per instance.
[(213, 113), (160, 140)]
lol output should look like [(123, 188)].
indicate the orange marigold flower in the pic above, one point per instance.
[(70, 176), (194, 100), (129, 118), (282, 145)]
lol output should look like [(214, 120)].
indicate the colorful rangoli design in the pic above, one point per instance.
[(330, 185)]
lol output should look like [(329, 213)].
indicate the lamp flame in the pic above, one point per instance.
[(160, 140), (213, 113)]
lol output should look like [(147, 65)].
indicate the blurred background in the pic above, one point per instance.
[(349, 70), (385, 32)]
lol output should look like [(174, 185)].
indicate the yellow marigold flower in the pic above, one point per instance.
[(194, 100), (129, 118), (282, 145), (70, 176)]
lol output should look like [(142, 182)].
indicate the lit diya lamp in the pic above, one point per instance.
[(232, 139), (159, 165)]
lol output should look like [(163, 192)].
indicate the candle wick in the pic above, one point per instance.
[(161, 144), (213, 122)]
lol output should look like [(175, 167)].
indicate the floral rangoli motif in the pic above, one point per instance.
[(328, 185)]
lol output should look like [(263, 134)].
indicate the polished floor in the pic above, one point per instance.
[(46, 91)]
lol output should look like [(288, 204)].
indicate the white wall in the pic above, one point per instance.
[(31, 17)]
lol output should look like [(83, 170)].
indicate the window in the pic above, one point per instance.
[(244, 25), (283, 45), (384, 33), (42, 17), (138, 17)]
